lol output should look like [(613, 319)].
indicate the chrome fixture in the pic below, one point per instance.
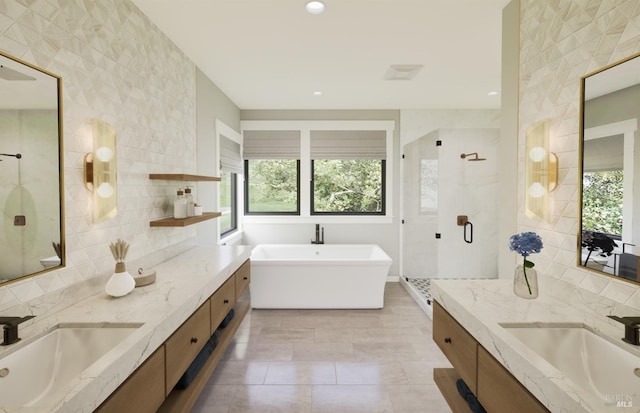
[(319, 235), (10, 329), (631, 329), (17, 155), (475, 158)]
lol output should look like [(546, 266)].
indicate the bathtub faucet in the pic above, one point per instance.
[(319, 235)]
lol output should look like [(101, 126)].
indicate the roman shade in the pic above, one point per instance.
[(230, 156), (368, 144), (271, 144)]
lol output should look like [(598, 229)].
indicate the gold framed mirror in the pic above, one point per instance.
[(609, 237), (31, 170)]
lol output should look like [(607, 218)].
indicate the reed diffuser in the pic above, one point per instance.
[(121, 282)]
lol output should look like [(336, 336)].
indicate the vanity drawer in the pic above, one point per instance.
[(222, 301), (143, 391), (457, 344), (499, 391), (185, 344), (243, 278)]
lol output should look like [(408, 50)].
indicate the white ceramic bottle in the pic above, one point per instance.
[(190, 202), (180, 206)]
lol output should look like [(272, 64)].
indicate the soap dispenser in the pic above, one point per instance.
[(180, 206), (190, 202)]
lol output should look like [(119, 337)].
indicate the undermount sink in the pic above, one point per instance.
[(590, 361), (49, 363)]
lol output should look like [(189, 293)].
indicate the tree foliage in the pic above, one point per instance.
[(602, 202), (273, 185), (347, 186)]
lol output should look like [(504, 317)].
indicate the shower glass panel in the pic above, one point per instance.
[(439, 185)]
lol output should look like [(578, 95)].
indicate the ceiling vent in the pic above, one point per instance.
[(402, 72)]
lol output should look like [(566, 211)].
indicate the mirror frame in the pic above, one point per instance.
[(61, 190), (581, 138)]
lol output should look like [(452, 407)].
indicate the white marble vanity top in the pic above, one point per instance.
[(481, 305), (183, 283)]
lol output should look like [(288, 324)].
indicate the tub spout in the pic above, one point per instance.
[(319, 235)]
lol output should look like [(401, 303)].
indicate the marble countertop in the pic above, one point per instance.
[(183, 283), (481, 305)]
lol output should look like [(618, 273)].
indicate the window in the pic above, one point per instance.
[(602, 198), (272, 172), (228, 203), (272, 186), (352, 186), (348, 172), (318, 168), (230, 167)]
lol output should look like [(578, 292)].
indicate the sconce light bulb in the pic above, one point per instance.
[(536, 190), (105, 190), (104, 153), (537, 154)]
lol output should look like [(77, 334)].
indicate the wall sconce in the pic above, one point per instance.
[(541, 170), (100, 172)]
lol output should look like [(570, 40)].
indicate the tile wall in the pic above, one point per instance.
[(120, 68), (562, 40)]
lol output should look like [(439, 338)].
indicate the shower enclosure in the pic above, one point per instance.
[(449, 207)]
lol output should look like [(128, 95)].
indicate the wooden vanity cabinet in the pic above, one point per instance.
[(459, 346), (143, 392), (151, 387), (496, 389), (222, 302), (499, 391), (185, 344), (243, 278)]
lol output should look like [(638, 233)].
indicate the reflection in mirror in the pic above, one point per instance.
[(31, 240), (610, 218)]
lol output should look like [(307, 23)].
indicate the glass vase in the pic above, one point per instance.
[(525, 287)]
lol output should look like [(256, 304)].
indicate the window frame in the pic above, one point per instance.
[(306, 127), (233, 207), (247, 212), (383, 195)]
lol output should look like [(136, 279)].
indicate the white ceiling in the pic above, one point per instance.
[(272, 54)]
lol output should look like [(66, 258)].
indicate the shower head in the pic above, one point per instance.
[(475, 158)]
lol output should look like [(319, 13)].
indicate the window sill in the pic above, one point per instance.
[(233, 238), (317, 219)]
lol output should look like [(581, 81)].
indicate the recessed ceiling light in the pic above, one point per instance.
[(493, 93), (315, 7), (317, 93)]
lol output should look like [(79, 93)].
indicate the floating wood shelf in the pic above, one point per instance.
[(183, 222), (184, 177)]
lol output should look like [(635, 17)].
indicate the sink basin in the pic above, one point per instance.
[(47, 364), (590, 361)]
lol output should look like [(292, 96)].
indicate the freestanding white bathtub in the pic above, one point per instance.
[(318, 276)]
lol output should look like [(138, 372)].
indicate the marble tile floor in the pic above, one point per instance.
[(334, 361)]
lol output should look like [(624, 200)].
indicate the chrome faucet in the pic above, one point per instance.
[(10, 329), (319, 235), (631, 329)]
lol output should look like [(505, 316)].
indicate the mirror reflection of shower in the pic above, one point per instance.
[(17, 155), (475, 156)]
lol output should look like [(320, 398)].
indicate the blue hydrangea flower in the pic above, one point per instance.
[(526, 243)]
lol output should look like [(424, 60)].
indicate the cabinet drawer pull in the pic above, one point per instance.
[(447, 340), (226, 301), (194, 339), (245, 278)]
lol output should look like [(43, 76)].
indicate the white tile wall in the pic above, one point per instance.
[(118, 67), (562, 40)]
